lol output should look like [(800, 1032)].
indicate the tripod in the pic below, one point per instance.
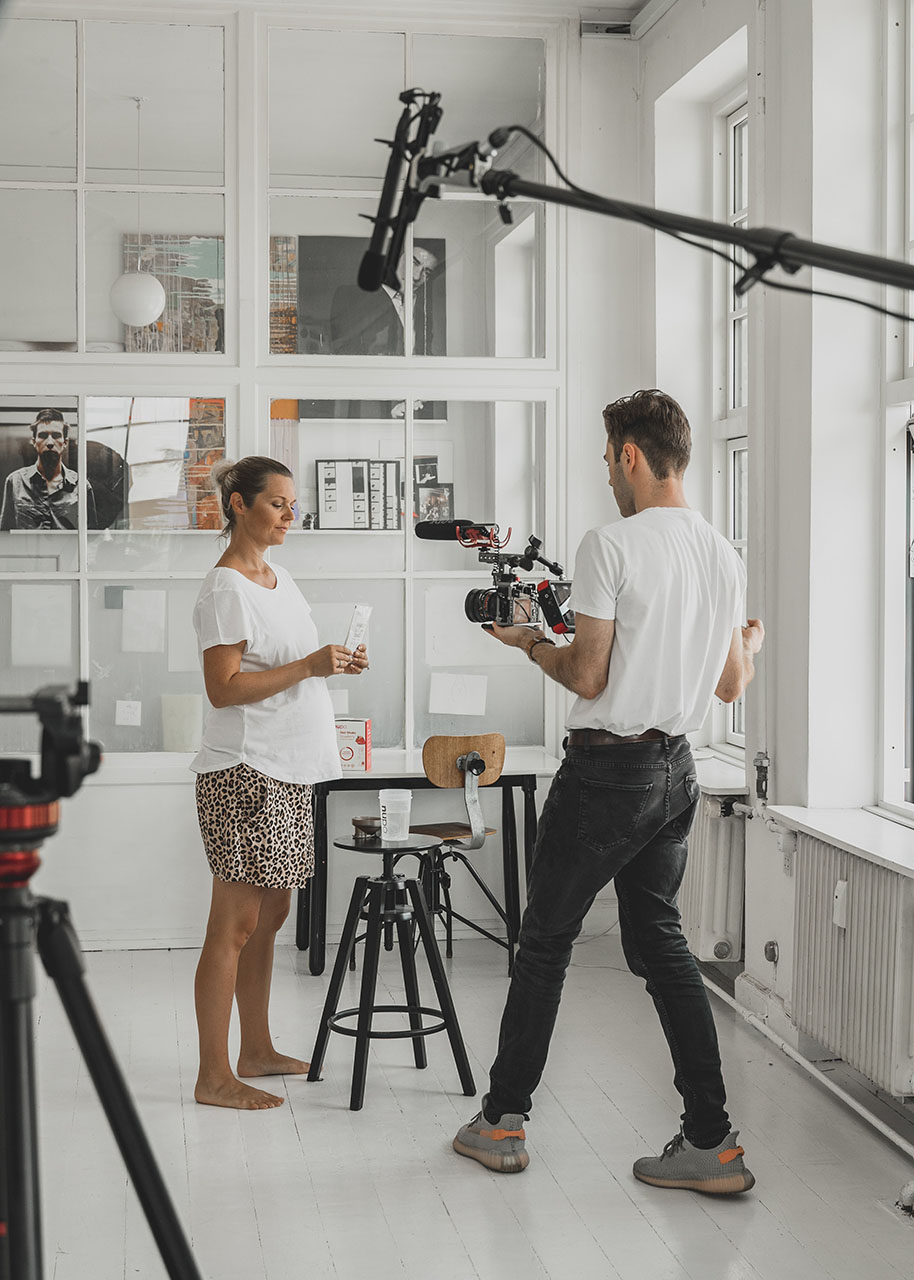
[(23, 918)]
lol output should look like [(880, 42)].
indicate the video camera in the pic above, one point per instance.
[(509, 601)]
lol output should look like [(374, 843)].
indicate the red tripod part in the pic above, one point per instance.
[(25, 825)]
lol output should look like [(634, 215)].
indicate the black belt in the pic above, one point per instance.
[(603, 738)]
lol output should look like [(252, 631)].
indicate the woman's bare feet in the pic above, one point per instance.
[(232, 1093), (271, 1064)]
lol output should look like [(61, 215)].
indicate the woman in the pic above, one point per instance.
[(269, 735)]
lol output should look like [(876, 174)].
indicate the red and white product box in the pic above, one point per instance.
[(353, 737)]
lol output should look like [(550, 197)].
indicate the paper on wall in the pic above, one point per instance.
[(452, 694), (143, 622), (41, 625)]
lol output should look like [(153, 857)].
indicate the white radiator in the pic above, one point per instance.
[(711, 897), (852, 985)]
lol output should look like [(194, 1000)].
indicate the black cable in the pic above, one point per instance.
[(709, 247)]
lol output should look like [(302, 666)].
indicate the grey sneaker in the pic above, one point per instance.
[(499, 1147), (719, 1171)]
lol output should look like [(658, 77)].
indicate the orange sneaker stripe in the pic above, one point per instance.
[(726, 1156), (498, 1134)]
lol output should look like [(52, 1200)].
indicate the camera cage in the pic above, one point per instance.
[(498, 602)]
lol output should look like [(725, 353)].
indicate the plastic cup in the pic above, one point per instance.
[(395, 806)]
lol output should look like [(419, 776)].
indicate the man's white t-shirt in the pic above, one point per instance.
[(292, 735), (675, 588)]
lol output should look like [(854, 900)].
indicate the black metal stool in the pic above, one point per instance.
[(390, 902)]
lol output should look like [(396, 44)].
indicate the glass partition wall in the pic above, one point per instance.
[(389, 408)]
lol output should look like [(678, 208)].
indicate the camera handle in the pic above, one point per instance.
[(22, 918)]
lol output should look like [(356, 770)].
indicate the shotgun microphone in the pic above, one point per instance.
[(451, 530), (374, 260)]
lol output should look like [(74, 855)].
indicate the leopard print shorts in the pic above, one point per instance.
[(256, 830)]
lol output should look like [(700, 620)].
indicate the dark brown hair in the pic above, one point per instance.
[(248, 477), (655, 423), (45, 416)]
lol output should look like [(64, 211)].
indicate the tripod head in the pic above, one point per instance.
[(29, 809)]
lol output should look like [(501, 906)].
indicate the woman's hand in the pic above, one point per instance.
[(332, 660), (358, 662)]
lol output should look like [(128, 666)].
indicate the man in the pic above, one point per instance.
[(658, 600), (43, 496)]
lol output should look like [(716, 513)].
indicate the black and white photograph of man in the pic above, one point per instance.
[(42, 495)]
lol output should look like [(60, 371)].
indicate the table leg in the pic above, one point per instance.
[(528, 783), (509, 860), (318, 888)]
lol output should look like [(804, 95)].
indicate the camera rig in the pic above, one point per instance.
[(509, 601)]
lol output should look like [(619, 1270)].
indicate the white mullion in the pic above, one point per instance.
[(82, 274), (409, 594)]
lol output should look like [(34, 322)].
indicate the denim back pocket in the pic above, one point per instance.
[(691, 793), (609, 812)]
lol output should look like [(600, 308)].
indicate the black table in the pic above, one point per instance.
[(311, 909)]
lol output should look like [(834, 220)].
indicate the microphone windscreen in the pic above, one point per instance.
[(443, 530), (371, 271)]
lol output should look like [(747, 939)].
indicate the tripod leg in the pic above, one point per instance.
[(20, 1207), (59, 951), (443, 991)]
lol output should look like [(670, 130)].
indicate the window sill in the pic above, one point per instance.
[(875, 837), (719, 775)]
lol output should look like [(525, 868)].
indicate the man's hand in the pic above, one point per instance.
[(514, 637), (753, 635)]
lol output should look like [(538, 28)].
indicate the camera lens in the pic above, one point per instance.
[(482, 605)]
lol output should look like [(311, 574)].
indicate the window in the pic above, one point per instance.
[(737, 216), (737, 528)]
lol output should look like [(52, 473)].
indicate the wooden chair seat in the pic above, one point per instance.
[(448, 830)]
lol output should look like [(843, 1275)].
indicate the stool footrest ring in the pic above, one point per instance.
[(409, 1033)]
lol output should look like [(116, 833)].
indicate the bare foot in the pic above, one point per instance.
[(232, 1093), (272, 1064)]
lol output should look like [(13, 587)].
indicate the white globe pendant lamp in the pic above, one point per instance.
[(137, 297)]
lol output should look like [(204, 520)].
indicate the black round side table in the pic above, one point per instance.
[(389, 901)]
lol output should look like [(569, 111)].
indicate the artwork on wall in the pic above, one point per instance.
[(435, 501), (38, 467), (192, 272), (358, 493), (162, 450), (315, 299)]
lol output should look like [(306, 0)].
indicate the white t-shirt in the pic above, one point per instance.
[(675, 588), (292, 735)]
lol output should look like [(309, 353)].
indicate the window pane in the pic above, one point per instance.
[(379, 693), (448, 649), (481, 291), (349, 82), (316, 305), (739, 494), (740, 188), (486, 82), (149, 460), (38, 270), (38, 475), (481, 463), (349, 469), (38, 647), (38, 100), (181, 242), (740, 362), (178, 71), (141, 636)]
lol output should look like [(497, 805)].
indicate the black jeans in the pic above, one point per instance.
[(618, 813)]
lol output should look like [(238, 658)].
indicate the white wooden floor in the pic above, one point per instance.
[(313, 1190)]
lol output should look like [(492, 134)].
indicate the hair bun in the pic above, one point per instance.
[(219, 471)]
